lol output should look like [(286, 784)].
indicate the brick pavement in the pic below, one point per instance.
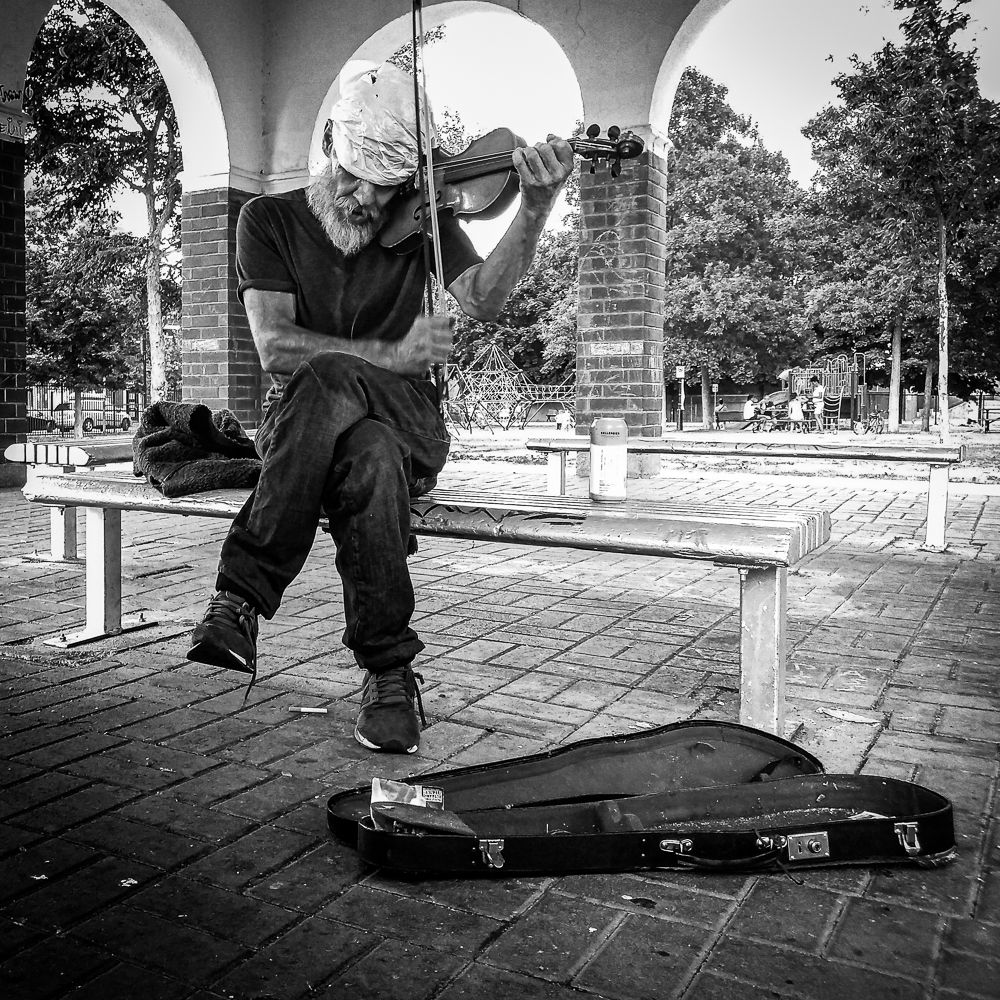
[(162, 839)]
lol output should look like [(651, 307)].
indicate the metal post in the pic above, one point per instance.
[(937, 508), (763, 630)]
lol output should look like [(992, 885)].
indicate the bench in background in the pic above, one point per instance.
[(69, 458), (760, 543), (938, 458)]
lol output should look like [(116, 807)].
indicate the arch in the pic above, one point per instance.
[(389, 38), (676, 59), (192, 88)]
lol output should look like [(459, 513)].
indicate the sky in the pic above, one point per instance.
[(777, 57)]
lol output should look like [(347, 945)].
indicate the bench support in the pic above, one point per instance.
[(62, 534), (104, 581), (763, 631), (556, 478), (937, 508)]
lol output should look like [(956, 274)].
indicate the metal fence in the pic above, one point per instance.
[(104, 410)]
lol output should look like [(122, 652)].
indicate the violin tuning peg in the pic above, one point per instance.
[(613, 132), (593, 131), (616, 168), (593, 167)]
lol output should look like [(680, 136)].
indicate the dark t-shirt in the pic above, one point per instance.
[(373, 295)]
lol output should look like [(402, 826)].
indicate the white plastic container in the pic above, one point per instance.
[(608, 458)]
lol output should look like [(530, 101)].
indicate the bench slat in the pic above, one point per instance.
[(524, 518), (923, 455)]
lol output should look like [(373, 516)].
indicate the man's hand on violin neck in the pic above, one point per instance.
[(543, 170), (428, 343)]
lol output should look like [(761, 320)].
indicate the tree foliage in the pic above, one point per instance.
[(732, 302), (921, 147), (103, 122)]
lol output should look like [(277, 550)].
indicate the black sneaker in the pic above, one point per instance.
[(227, 635), (387, 720)]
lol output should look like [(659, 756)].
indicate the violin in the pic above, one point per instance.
[(482, 181)]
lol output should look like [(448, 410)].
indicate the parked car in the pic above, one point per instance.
[(38, 421), (99, 418)]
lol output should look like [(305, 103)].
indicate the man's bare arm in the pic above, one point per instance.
[(283, 345), (542, 170)]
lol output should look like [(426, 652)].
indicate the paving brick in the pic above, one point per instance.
[(51, 968), (784, 970), (395, 971), (40, 863), (886, 937), (184, 819), (126, 981), (553, 938), (642, 955), (251, 857), (76, 807), (60, 903), (785, 914), (306, 883), (180, 951), (969, 975), (641, 895), (298, 961), (419, 920), (216, 911)]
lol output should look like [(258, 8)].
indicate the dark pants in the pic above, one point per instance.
[(354, 441)]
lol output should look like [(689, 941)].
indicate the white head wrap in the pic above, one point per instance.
[(374, 125)]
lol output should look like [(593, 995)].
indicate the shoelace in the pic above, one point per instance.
[(393, 684), (222, 608)]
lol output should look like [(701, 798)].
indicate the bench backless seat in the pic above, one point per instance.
[(762, 543), (938, 458)]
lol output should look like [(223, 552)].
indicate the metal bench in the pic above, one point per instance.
[(760, 543), (69, 458), (938, 458)]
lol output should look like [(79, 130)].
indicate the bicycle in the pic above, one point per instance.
[(875, 424)]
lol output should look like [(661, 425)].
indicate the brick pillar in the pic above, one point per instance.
[(13, 390), (219, 362), (619, 367)]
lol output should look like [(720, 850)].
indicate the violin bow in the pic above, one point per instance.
[(431, 239)]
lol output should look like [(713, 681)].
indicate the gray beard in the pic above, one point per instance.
[(333, 214)]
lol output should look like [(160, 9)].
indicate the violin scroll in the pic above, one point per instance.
[(618, 146)]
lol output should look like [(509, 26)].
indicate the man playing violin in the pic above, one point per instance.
[(351, 425)]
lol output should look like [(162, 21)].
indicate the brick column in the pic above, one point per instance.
[(219, 362), (13, 391), (619, 367)]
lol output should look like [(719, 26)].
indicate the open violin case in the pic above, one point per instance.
[(708, 795)]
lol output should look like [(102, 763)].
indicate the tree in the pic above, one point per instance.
[(733, 306), (103, 120), (917, 126), (78, 319)]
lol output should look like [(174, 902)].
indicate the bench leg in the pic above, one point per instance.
[(763, 629), (937, 508), (62, 534), (557, 473), (104, 581)]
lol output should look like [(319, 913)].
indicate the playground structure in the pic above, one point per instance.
[(494, 392), (844, 380)]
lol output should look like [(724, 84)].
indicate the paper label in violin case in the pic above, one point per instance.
[(709, 795)]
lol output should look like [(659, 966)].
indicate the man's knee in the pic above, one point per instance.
[(330, 367), (369, 461)]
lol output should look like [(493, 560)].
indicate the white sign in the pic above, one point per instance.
[(12, 124), (715, 385), (679, 371), (612, 348)]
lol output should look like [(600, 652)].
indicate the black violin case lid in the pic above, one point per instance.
[(710, 795)]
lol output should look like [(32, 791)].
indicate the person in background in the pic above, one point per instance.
[(750, 408), (818, 395), (796, 417)]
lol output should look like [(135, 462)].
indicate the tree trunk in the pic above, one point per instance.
[(707, 409), (894, 373), (943, 327), (78, 410), (925, 420), (154, 308)]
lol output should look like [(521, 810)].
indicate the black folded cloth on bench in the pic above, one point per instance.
[(184, 448)]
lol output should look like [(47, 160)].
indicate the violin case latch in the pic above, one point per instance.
[(491, 851), (908, 840), (808, 846)]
